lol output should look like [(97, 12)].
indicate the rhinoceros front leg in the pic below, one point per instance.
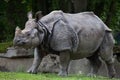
[(64, 62), (36, 62)]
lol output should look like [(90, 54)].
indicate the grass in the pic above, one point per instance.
[(4, 46), (48, 76)]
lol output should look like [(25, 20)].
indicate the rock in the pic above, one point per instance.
[(15, 64), (13, 52), (50, 63), (81, 66), (116, 49)]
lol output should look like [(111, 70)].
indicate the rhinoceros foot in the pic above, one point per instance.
[(32, 70), (62, 73)]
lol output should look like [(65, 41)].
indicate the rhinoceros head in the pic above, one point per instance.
[(29, 36)]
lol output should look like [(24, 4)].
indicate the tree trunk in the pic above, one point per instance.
[(79, 5)]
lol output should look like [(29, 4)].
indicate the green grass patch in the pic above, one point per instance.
[(4, 46), (48, 76)]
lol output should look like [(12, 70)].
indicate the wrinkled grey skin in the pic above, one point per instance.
[(74, 36)]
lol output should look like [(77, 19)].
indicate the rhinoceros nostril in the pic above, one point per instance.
[(18, 41)]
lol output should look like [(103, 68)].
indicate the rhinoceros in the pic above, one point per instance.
[(71, 36)]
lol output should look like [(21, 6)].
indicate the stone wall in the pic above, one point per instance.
[(15, 65), (50, 63), (81, 66)]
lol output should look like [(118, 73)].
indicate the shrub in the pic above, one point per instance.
[(4, 46)]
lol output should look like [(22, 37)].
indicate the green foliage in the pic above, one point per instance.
[(5, 33), (104, 10), (13, 12), (55, 5), (116, 19), (26, 76), (4, 46)]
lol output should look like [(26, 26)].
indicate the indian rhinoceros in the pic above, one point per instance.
[(71, 36)]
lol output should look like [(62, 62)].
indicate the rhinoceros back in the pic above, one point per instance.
[(90, 30), (87, 29)]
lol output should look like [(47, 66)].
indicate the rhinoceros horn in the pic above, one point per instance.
[(17, 30), (29, 15)]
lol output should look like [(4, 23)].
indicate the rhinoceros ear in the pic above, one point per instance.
[(38, 15), (17, 30), (29, 15)]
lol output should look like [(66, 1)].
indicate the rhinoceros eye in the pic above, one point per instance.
[(28, 34)]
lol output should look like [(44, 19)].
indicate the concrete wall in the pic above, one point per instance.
[(76, 66), (83, 66)]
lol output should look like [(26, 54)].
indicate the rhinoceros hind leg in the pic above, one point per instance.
[(106, 53), (95, 63)]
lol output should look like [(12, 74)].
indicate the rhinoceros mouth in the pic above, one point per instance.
[(23, 46)]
